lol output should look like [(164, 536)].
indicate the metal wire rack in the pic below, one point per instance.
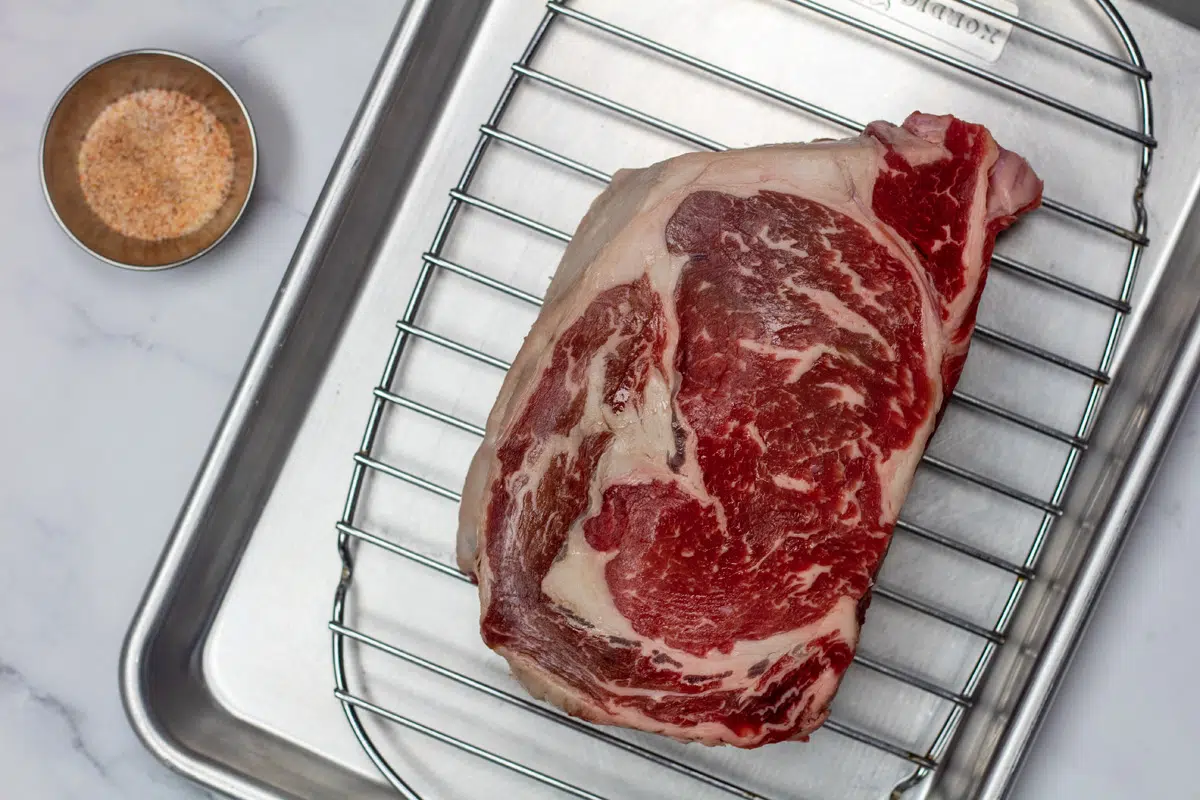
[(493, 134)]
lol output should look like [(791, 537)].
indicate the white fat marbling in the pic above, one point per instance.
[(111, 384)]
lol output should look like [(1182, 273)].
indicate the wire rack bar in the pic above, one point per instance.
[(1042, 276), (549, 155), (1136, 237), (450, 344), (789, 100), (878, 744), (467, 747), (929, 610), (479, 277), (511, 216), (991, 483), (1024, 421), (951, 543), (433, 413), (407, 477), (912, 680), (402, 551), (989, 334)]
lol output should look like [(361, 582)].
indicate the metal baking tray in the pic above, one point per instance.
[(1014, 523)]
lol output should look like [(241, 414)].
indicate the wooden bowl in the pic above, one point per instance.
[(77, 108)]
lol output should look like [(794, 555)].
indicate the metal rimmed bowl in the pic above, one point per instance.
[(75, 111)]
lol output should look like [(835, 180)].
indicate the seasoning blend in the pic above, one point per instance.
[(155, 165), (148, 159)]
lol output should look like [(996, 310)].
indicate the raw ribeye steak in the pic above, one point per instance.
[(693, 469)]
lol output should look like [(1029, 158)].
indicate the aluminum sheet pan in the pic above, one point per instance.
[(227, 671)]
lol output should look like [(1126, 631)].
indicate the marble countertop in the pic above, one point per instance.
[(114, 381)]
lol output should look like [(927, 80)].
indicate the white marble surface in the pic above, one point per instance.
[(113, 382)]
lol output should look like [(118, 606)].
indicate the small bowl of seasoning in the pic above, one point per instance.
[(148, 159)]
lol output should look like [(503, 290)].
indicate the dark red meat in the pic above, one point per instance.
[(691, 475)]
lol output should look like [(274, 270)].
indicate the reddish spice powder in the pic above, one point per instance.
[(156, 165)]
